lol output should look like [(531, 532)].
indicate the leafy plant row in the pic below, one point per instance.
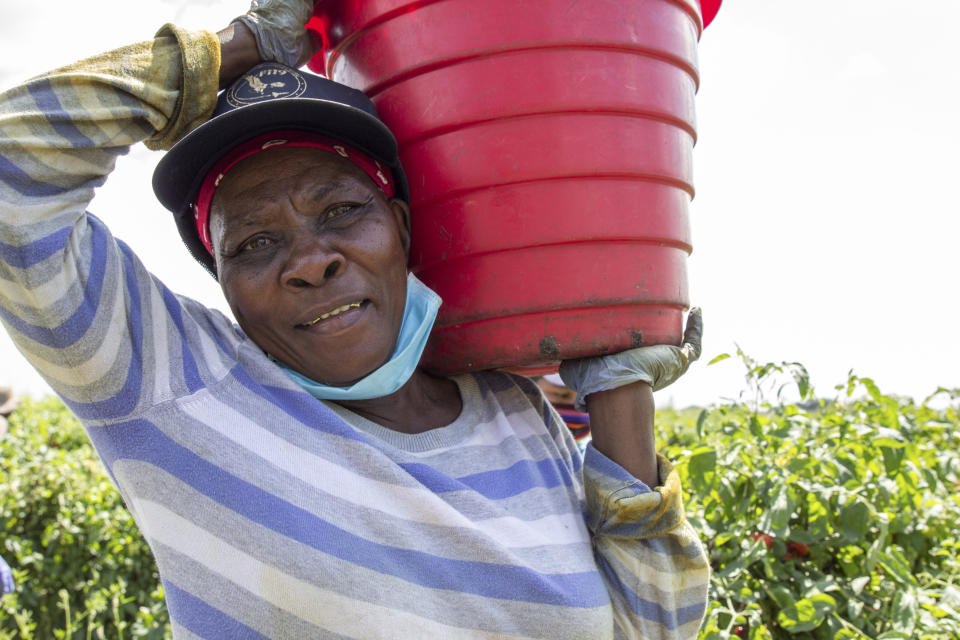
[(836, 519), (81, 567)]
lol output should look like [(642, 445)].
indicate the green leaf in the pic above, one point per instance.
[(857, 584), (872, 389), (873, 554), (847, 633), (702, 460), (807, 614), (777, 518), (892, 459), (700, 420), (719, 358), (905, 610), (802, 379), (701, 467), (950, 597), (889, 442), (896, 566), (781, 595), (855, 520), (760, 632)]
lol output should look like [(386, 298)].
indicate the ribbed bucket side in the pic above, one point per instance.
[(548, 149)]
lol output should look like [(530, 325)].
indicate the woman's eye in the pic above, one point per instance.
[(338, 210), (254, 243)]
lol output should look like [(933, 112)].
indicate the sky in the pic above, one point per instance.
[(825, 229)]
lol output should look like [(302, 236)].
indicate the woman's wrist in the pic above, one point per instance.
[(238, 52)]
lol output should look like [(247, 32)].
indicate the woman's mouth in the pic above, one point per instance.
[(332, 313)]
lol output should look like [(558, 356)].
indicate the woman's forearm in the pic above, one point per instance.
[(69, 296), (621, 423)]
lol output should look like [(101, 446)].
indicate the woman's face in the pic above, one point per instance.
[(312, 259)]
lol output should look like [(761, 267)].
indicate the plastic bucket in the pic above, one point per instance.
[(548, 148)]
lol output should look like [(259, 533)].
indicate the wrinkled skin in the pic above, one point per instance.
[(301, 232)]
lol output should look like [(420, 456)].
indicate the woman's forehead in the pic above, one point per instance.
[(290, 164), (267, 178)]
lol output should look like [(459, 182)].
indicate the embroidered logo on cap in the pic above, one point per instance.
[(267, 82)]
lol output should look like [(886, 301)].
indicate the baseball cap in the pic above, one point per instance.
[(269, 97)]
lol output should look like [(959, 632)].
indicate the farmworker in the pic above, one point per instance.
[(562, 398), (7, 584), (8, 402), (296, 474)]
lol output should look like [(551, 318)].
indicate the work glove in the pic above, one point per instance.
[(658, 365), (278, 26)]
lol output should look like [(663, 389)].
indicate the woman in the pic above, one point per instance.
[(296, 475)]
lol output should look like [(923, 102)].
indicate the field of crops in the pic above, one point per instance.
[(826, 520), (823, 519)]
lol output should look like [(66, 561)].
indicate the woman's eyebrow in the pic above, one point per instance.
[(249, 215), (251, 212), (324, 190)]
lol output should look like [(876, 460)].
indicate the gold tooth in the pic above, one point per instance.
[(335, 312)]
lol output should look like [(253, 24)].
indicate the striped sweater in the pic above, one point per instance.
[(272, 514)]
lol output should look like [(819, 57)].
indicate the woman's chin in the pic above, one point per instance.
[(340, 374)]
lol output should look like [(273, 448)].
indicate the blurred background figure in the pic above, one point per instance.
[(561, 397), (8, 402), (6, 577)]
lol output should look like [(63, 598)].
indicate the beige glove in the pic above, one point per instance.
[(278, 26), (658, 365)]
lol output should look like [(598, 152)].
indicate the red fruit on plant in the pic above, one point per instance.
[(740, 631), (798, 549), (767, 538)]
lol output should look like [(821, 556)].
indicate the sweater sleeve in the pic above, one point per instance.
[(656, 570), (77, 303)]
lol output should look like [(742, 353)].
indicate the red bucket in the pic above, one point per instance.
[(548, 147)]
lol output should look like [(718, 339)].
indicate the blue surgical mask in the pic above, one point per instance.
[(418, 317)]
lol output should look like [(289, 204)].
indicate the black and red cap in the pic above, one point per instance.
[(269, 97)]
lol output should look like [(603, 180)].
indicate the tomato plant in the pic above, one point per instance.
[(765, 538), (825, 519), (81, 566)]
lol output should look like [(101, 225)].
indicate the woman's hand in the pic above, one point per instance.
[(617, 391), (278, 27), (657, 365), (272, 31)]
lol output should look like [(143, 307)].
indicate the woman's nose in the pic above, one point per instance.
[(311, 262)]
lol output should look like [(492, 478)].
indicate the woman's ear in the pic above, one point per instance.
[(401, 212)]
